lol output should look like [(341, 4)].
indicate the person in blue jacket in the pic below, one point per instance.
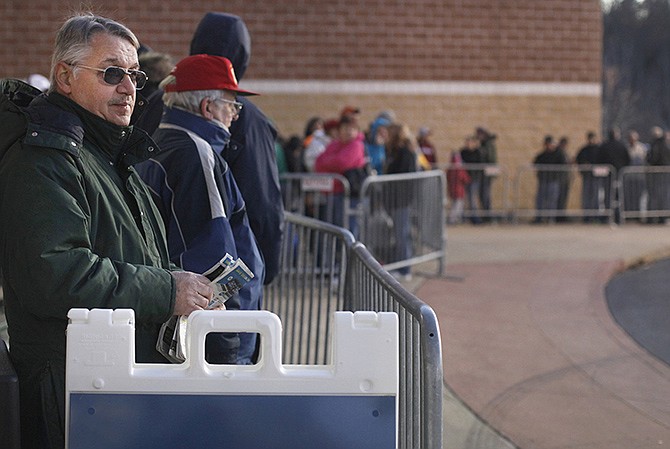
[(204, 213), (375, 143)]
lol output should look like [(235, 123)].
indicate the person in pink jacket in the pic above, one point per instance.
[(345, 155), (346, 152)]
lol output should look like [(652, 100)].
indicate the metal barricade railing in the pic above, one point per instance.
[(590, 192), (562, 192), (487, 192), (402, 218), (324, 196), (309, 287), (323, 270), (370, 287), (403, 208), (645, 193)]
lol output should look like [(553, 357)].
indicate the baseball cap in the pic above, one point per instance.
[(330, 124), (204, 72), (349, 110)]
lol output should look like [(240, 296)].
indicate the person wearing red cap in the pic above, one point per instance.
[(202, 208), (352, 111)]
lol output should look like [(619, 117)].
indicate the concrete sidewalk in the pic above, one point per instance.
[(532, 356)]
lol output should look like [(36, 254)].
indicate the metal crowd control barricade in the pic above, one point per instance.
[(304, 294), (487, 193), (112, 401), (645, 193), (314, 195), (402, 218), (370, 287), (309, 286), (583, 192)]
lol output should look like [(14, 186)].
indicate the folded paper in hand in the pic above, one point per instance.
[(227, 277)]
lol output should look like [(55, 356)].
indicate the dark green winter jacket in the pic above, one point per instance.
[(77, 229)]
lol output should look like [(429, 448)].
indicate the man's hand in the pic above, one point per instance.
[(193, 292)]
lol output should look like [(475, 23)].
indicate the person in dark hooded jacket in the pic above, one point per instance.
[(251, 152)]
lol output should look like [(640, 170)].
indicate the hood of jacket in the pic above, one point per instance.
[(375, 125), (15, 95), (226, 35)]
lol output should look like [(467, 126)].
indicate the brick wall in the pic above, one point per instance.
[(556, 41), (504, 40)]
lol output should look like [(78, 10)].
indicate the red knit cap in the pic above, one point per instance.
[(205, 72)]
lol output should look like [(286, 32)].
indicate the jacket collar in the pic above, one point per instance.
[(215, 135), (123, 145)]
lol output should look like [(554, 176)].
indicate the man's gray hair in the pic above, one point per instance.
[(189, 100), (73, 39)]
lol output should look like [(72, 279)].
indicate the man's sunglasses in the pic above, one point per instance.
[(114, 75)]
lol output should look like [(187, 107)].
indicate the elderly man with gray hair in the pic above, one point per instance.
[(203, 210), (78, 228)]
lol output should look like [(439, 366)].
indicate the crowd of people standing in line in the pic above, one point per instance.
[(469, 187), (650, 191), (299, 154), (388, 147), (343, 147), (471, 170)]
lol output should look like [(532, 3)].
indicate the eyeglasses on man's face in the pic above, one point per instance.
[(114, 75), (236, 104)]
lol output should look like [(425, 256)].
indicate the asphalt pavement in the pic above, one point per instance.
[(639, 300)]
